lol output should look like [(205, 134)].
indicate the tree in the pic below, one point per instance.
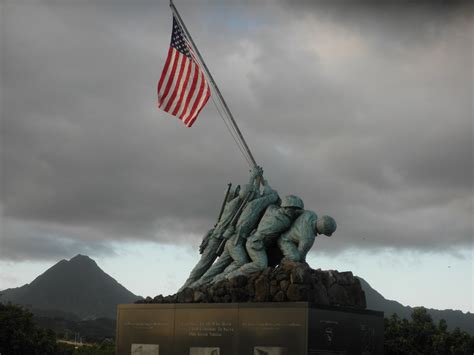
[(20, 335), (422, 336), (422, 331), (396, 335)]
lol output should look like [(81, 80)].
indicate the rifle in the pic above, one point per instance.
[(229, 185), (205, 240), (232, 223)]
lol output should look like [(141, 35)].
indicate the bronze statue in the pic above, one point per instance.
[(251, 225), (298, 240), (276, 220), (214, 236), (235, 254)]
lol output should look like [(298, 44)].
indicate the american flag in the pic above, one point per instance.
[(183, 90)]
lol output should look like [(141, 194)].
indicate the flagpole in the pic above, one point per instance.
[(213, 83)]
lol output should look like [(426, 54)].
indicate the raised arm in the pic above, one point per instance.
[(255, 176)]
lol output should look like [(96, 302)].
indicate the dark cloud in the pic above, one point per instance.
[(24, 240), (363, 109)]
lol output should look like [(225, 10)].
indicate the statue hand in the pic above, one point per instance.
[(256, 171)]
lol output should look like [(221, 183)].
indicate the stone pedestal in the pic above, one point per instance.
[(290, 328)]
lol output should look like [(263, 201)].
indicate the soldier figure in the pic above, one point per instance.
[(298, 240), (235, 255), (276, 220), (213, 238)]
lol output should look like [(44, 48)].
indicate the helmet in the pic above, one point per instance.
[(292, 201), (326, 225)]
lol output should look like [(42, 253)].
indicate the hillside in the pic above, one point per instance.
[(454, 319), (79, 290), (76, 286)]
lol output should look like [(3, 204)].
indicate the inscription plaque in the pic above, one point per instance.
[(209, 326), (142, 325), (337, 331), (290, 328), (271, 328)]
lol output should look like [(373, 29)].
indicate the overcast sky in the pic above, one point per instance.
[(364, 109)]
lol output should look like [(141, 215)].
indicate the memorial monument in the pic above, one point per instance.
[(252, 291)]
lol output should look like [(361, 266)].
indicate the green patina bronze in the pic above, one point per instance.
[(252, 220), (213, 237)]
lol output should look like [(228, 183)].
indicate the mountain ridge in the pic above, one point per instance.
[(79, 287), (454, 318), (76, 286)]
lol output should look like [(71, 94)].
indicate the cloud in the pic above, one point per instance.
[(24, 240), (363, 110)]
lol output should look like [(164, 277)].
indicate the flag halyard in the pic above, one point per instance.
[(183, 90)]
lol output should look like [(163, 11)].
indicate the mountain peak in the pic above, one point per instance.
[(82, 258), (77, 286)]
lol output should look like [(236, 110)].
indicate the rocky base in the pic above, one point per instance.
[(290, 281)]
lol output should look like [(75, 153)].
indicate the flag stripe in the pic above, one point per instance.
[(202, 101), (179, 83), (189, 90), (182, 90), (196, 102), (165, 70), (166, 75), (193, 97), (201, 106), (197, 107), (171, 80)]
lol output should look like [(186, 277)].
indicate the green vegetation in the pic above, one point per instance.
[(90, 331), (422, 336), (20, 335)]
